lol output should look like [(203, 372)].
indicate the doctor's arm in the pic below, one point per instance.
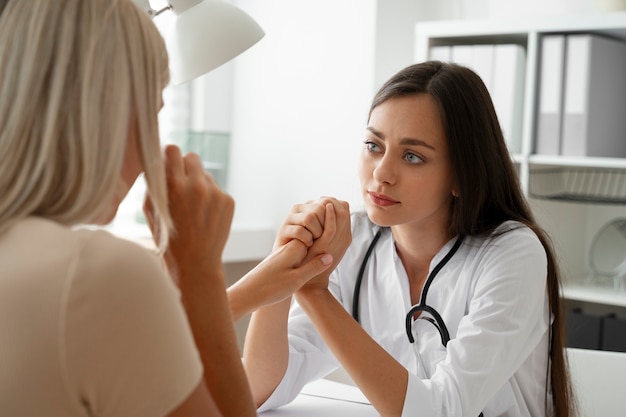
[(266, 291), (266, 349), (377, 374)]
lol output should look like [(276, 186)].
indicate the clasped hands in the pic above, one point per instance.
[(320, 227), (309, 245)]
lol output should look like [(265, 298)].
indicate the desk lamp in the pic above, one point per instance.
[(204, 35)]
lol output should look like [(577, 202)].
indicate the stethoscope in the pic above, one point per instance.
[(436, 319)]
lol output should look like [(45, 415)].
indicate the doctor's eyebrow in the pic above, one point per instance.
[(403, 141)]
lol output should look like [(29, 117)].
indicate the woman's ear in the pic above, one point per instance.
[(455, 191)]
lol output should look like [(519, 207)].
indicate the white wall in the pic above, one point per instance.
[(301, 97)]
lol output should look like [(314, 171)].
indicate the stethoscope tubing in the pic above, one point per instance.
[(359, 279), (421, 306)]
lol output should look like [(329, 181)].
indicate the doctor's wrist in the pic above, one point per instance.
[(311, 294)]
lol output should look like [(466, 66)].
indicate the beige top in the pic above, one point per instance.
[(90, 325)]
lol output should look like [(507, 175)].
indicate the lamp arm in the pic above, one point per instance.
[(154, 13), (145, 4), (179, 6)]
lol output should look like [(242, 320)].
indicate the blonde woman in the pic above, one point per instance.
[(91, 324)]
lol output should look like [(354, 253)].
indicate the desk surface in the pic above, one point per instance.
[(326, 398)]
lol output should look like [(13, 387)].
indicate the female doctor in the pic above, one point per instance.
[(446, 301)]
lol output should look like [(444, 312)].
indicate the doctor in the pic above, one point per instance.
[(446, 300)]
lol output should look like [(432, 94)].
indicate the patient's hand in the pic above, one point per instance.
[(202, 215)]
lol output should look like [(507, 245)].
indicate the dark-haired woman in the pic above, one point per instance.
[(445, 299)]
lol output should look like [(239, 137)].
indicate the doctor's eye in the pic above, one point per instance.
[(372, 147), (412, 158)]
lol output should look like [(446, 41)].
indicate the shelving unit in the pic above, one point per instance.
[(571, 217)]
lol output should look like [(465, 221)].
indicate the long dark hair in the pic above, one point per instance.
[(488, 185)]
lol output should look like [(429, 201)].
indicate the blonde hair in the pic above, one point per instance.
[(73, 74)]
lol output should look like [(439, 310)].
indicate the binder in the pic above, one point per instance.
[(594, 118), (463, 54), (477, 57), (614, 334), (502, 67), (440, 53), (583, 330), (509, 72), (550, 103), (482, 63)]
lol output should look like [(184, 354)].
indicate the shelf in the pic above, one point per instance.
[(518, 158), (586, 185), (594, 294), (513, 30), (583, 162)]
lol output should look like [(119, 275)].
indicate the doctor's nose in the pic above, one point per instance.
[(385, 171)]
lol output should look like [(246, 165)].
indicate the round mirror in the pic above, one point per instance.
[(607, 256)]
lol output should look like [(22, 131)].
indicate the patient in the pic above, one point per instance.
[(91, 324)]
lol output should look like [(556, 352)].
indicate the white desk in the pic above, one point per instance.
[(326, 398)]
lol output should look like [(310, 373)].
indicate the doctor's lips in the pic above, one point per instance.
[(381, 199)]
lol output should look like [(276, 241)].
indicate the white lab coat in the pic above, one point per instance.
[(492, 297)]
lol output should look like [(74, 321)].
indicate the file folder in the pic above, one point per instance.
[(479, 58), (550, 103), (482, 63), (583, 331), (502, 67), (594, 118), (509, 74), (463, 54), (614, 334), (440, 53)]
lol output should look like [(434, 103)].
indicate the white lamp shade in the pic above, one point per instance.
[(206, 36)]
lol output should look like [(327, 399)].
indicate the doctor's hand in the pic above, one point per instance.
[(277, 277), (308, 222), (202, 214), (305, 222)]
